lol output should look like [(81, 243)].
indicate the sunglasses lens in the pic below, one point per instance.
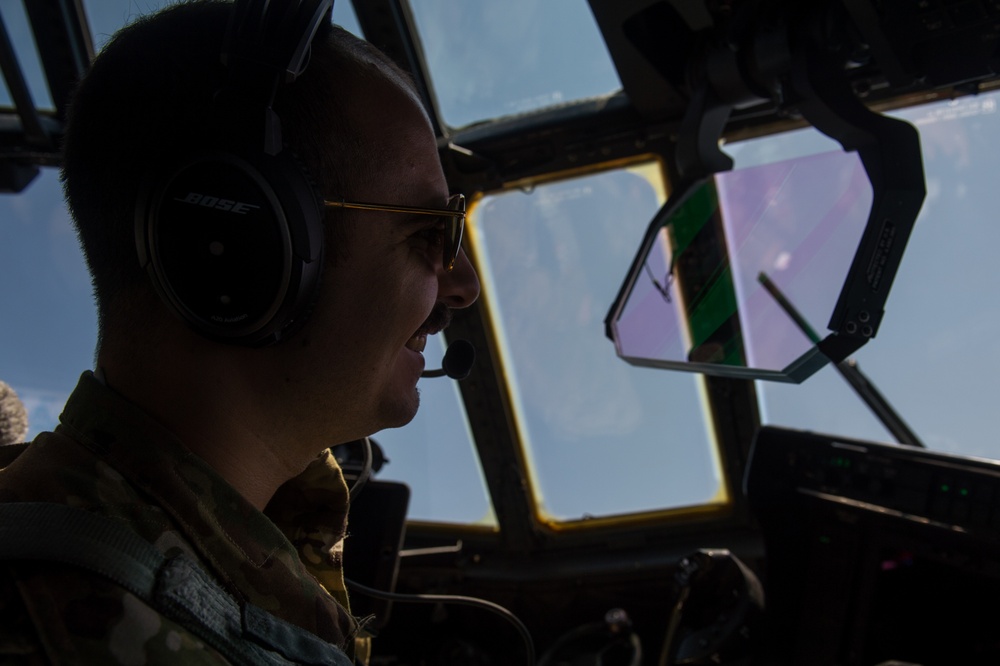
[(453, 240)]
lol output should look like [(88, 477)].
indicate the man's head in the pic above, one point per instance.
[(355, 123), (151, 101), (13, 416)]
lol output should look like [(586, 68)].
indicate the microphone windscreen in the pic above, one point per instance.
[(459, 358)]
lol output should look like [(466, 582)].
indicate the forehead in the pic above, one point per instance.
[(397, 138), (381, 94), (364, 75)]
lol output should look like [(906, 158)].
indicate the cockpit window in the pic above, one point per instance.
[(15, 20), (553, 256), (935, 356), (49, 324), (435, 456), (107, 16), (494, 59)]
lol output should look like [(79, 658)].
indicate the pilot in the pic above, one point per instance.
[(204, 428)]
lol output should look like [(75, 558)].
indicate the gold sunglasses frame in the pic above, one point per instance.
[(453, 240)]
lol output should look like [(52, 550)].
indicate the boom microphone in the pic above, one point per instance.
[(457, 361)]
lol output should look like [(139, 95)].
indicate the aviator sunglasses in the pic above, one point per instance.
[(453, 215)]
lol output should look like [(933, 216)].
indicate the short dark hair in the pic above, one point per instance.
[(146, 99)]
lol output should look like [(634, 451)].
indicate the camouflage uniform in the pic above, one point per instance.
[(108, 457)]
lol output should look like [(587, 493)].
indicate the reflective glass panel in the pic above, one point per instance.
[(789, 229)]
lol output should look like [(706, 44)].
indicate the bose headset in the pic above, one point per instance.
[(232, 237)]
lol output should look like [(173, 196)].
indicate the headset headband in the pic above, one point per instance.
[(267, 43)]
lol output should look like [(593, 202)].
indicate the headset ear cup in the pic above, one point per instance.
[(233, 239), (234, 246)]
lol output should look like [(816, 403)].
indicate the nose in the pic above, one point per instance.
[(459, 287)]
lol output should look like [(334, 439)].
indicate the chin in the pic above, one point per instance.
[(399, 410)]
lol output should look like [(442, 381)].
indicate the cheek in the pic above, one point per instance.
[(384, 306), (376, 293)]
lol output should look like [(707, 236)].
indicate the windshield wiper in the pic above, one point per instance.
[(850, 371)]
